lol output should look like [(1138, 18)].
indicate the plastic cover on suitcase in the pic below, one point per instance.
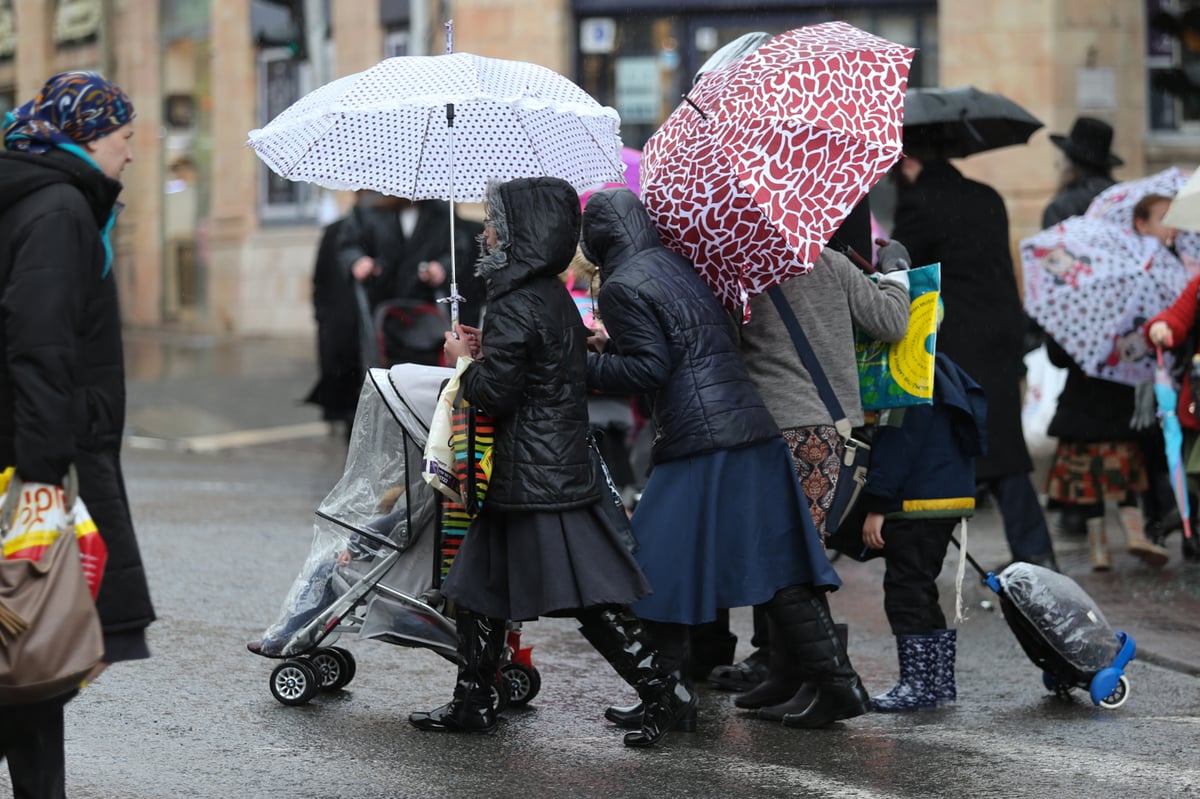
[(1066, 616)]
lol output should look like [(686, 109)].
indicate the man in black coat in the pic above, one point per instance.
[(942, 217), (399, 252)]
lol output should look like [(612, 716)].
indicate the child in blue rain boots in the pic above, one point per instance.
[(921, 482)]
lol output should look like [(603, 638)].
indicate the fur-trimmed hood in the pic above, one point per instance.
[(537, 229)]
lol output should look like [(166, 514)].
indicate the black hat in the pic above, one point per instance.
[(1088, 143)]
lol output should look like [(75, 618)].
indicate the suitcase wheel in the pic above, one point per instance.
[(1109, 689)]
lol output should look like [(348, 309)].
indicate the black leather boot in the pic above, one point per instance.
[(784, 691), (480, 643), (674, 652), (807, 634), (621, 638)]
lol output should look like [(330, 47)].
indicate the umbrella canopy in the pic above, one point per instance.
[(1184, 212), (962, 121), (388, 129), (632, 159), (1115, 204), (1166, 398), (1092, 286), (753, 173)]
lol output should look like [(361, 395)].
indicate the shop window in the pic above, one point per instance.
[(281, 83), (1173, 65), (8, 30), (395, 43), (77, 21)]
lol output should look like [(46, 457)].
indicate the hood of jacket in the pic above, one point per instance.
[(22, 174), (957, 391), (615, 226), (537, 228)]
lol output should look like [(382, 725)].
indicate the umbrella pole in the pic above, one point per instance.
[(454, 298)]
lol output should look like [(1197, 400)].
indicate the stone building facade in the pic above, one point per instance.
[(210, 241)]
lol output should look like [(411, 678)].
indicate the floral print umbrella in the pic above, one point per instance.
[(1115, 204), (1092, 285), (752, 174)]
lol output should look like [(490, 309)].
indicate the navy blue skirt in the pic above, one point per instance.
[(725, 530)]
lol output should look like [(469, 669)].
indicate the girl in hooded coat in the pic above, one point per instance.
[(723, 521), (542, 545)]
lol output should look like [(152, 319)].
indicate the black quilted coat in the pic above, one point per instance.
[(670, 337), (531, 377), (62, 378)]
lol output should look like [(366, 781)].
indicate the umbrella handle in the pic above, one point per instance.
[(848, 251)]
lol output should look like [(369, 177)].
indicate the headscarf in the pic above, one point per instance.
[(72, 108)]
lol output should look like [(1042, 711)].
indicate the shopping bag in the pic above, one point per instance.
[(472, 437), (901, 374), (50, 636), (41, 512), (438, 466)]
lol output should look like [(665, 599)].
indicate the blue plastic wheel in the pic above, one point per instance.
[(1109, 688)]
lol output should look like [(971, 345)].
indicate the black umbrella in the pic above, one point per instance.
[(954, 123)]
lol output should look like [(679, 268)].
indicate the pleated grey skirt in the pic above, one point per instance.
[(521, 565)]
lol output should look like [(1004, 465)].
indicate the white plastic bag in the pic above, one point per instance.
[(438, 468), (1043, 383)]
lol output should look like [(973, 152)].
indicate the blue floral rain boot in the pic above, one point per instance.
[(915, 690)]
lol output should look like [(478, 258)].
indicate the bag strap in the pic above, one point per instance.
[(809, 359)]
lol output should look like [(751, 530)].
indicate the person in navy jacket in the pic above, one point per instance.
[(921, 482)]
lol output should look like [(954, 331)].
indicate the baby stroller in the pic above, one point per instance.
[(1063, 632), (383, 541)]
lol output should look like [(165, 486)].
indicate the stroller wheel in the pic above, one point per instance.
[(332, 667), (351, 664), (524, 682), (1116, 697), (501, 693), (295, 682)]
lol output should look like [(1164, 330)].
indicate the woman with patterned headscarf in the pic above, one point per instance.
[(62, 380)]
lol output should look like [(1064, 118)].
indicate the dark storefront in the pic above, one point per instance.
[(639, 55)]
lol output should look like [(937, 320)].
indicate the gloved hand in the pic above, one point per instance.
[(892, 256), (1145, 409)]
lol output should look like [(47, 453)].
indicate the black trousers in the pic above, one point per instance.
[(913, 550), (31, 738)]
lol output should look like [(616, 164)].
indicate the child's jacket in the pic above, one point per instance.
[(923, 457)]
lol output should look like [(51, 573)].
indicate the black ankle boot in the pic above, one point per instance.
[(480, 640), (629, 717), (808, 635), (621, 638), (802, 694)]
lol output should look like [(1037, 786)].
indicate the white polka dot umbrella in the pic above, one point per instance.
[(753, 173), (386, 129), (441, 127)]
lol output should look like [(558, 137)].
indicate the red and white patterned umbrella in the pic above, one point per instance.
[(1092, 285), (752, 174)]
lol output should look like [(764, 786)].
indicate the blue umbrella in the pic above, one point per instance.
[(1167, 398)]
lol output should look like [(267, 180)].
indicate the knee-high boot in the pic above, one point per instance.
[(807, 635), (780, 693), (480, 644), (675, 655), (621, 638)]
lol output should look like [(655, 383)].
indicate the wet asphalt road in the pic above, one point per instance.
[(224, 534)]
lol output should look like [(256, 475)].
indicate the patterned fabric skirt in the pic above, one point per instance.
[(1087, 472), (817, 452)]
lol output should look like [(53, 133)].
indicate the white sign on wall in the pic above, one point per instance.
[(597, 35), (1096, 88), (637, 90)]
